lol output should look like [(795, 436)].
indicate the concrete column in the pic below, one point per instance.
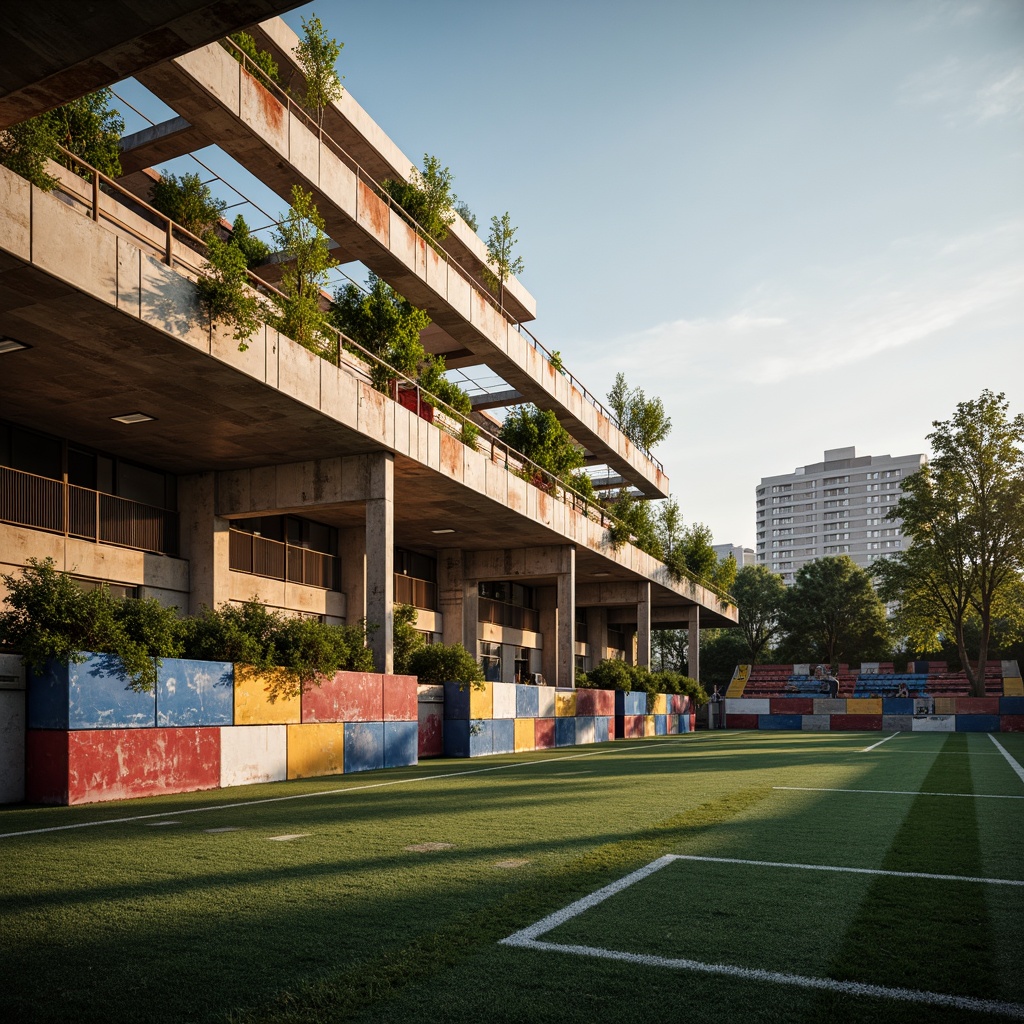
[(450, 595), (693, 643), (204, 542), (352, 552), (597, 633), (566, 625), (470, 614), (380, 560), (548, 614), (508, 663), (643, 625)]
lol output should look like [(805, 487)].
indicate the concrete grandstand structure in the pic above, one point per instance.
[(141, 448)]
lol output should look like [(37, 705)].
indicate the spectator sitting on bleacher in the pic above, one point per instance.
[(902, 690), (833, 685)]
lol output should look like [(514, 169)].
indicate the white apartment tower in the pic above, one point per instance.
[(833, 507)]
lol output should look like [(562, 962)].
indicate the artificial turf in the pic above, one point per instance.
[(136, 920)]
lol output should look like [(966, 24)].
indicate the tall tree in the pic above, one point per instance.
[(759, 595), (500, 243), (317, 54), (964, 512), (641, 419), (832, 613)]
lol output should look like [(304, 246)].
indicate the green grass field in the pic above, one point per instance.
[(385, 897)]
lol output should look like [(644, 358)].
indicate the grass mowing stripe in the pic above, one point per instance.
[(880, 742), (350, 991), (899, 792), (853, 988), (1013, 764), (322, 792)]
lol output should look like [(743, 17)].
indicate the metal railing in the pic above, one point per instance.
[(446, 418), (43, 503), (512, 615), (419, 593), (279, 560), (246, 63)]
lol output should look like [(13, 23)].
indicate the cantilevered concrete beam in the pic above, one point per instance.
[(159, 143), (53, 53), (497, 400)]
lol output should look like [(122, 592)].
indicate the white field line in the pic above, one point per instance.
[(1015, 765), (899, 792), (880, 742), (326, 792), (853, 988), (528, 938)]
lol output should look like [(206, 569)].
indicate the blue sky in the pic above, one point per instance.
[(799, 223)]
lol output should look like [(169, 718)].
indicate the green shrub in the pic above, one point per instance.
[(188, 201), (255, 250), (446, 663), (265, 69), (407, 639), (612, 674), (427, 198), (224, 293)]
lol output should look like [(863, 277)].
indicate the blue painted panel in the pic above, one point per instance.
[(481, 736), (779, 721), (977, 723), (456, 738), (660, 725), (897, 705), (503, 735), (99, 697), (684, 723), (456, 704), (195, 693), (527, 701), (400, 742), (634, 703), (364, 746), (48, 697), (1007, 706), (565, 732)]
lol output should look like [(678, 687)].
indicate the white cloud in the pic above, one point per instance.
[(969, 91)]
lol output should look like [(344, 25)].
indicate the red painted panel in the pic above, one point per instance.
[(46, 766), (977, 705), (431, 737), (685, 707), (671, 723), (741, 721), (325, 703), (792, 705), (633, 726), (693, 720), (1011, 723), (604, 703), (544, 733), (117, 764), (399, 698), (348, 697), (855, 723), (586, 703)]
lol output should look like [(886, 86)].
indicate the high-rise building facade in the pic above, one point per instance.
[(834, 507)]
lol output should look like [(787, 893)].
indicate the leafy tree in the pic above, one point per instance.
[(263, 66), (964, 513), (721, 650), (300, 236), (668, 647), (188, 201), (458, 403), (641, 419), (255, 250), (224, 293), (635, 524), (426, 198), (500, 244), (759, 595), (446, 663), (537, 434), (317, 55), (89, 127), (467, 215), (832, 614), (612, 674), (407, 640)]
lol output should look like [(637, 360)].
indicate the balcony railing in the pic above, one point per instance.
[(418, 593), (278, 560), (515, 616), (43, 503)]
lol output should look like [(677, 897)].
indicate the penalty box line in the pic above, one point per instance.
[(529, 938)]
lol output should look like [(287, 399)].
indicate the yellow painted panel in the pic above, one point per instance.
[(526, 738), (1013, 686), (945, 705), (316, 748), (253, 705), (660, 704), (481, 702), (649, 729), (565, 705), (864, 705)]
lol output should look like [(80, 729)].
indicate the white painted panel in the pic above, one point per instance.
[(747, 706), (504, 700), (545, 702), (12, 746), (935, 723), (584, 730), (253, 753)]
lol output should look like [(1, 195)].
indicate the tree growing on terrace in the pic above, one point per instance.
[(317, 54), (500, 245), (964, 512), (224, 293), (188, 201), (262, 64), (641, 419), (426, 198), (537, 434), (301, 238)]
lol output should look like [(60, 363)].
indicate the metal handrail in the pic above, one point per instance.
[(526, 468), (290, 104)]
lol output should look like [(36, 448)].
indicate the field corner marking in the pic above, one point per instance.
[(1014, 764)]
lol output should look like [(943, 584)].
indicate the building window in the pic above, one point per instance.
[(285, 548), (522, 664), (581, 625), (509, 604), (490, 660), (415, 579)]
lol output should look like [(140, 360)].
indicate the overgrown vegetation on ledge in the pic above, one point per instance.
[(613, 674)]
